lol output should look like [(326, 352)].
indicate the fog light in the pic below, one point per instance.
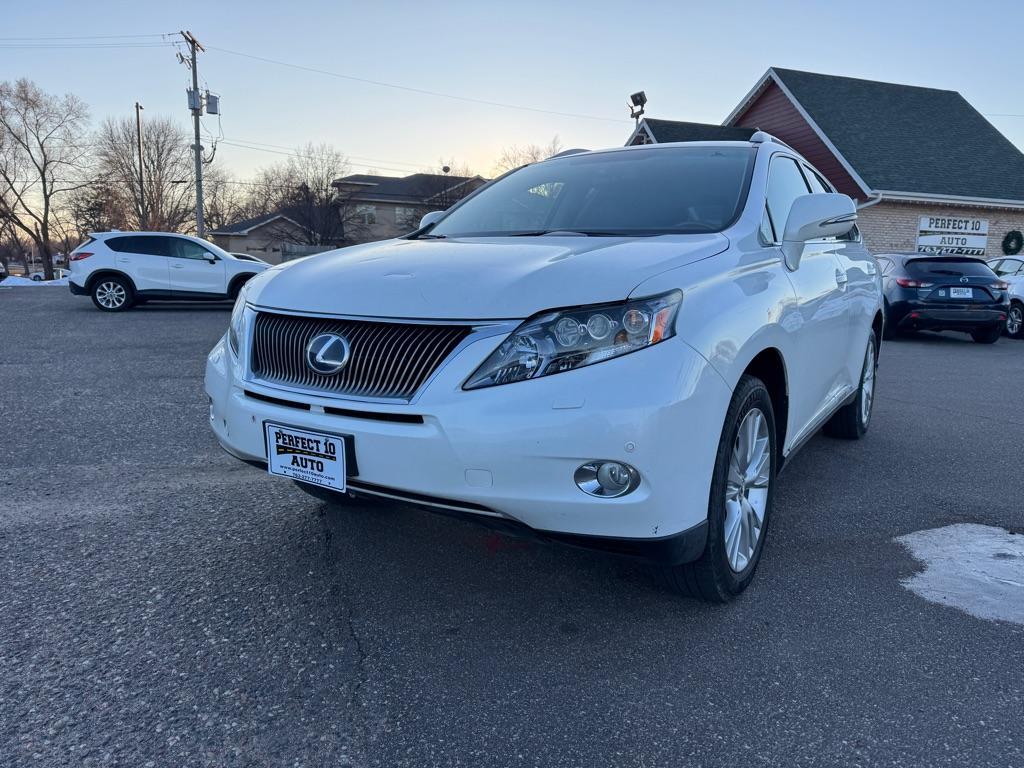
[(607, 479)]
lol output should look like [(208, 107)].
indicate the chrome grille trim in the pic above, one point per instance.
[(390, 360)]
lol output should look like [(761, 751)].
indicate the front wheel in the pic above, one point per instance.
[(740, 502), (988, 335), (1015, 321), (112, 294)]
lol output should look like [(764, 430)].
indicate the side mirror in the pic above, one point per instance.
[(210, 257), (813, 217), (431, 218)]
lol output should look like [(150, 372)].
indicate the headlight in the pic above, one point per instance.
[(235, 327), (561, 340)]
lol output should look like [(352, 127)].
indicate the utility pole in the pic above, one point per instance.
[(196, 105), (143, 215)]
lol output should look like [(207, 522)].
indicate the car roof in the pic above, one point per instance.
[(763, 139), (114, 232)]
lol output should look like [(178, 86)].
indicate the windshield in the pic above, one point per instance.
[(636, 192)]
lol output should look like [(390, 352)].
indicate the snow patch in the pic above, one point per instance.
[(15, 281), (978, 569)]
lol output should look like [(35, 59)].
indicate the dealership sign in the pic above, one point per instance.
[(949, 234)]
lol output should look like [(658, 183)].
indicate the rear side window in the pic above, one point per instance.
[(949, 268), (145, 244), (785, 184)]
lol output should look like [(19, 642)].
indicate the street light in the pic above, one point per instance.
[(636, 106)]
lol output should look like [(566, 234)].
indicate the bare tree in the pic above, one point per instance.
[(515, 156), (44, 158), (302, 188), (166, 202)]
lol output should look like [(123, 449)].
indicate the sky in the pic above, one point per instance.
[(694, 60)]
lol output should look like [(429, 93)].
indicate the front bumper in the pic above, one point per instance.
[(508, 453)]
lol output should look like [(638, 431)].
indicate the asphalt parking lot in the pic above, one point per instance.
[(162, 604)]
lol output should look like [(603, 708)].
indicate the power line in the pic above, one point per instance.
[(411, 89), (374, 162), (86, 37), (79, 46)]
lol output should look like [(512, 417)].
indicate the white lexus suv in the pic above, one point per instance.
[(616, 349), (121, 269)]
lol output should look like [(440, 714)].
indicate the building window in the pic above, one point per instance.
[(406, 217), (366, 214)]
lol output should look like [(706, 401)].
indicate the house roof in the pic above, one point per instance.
[(663, 131), (245, 226), (904, 138), (417, 188)]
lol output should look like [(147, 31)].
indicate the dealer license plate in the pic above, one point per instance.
[(961, 293), (311, 457)]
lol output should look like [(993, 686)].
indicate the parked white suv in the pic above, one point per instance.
[(120, 269), (615, 349)]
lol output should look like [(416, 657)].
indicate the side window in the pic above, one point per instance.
[(817, 181), (185, 249), (151, 246), (767, 235), (785, 184)]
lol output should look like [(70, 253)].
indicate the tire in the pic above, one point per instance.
[(988, 335), (717, 576), (36, 279), (852, 420), (112, 294), (1015, 321), (236, 285), (889, 330)]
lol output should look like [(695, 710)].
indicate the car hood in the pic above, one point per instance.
[(474, 278)]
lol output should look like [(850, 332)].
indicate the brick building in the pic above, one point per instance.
[(928, 171)]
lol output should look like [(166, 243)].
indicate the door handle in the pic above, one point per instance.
[(177, 266), (841, 278)]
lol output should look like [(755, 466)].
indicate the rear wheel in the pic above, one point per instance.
[(851, 421), (740, 502), (988, 335), (112, 294), (1015, 321)]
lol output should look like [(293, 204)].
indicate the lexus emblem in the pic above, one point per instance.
[(964, 280), (327, 353)]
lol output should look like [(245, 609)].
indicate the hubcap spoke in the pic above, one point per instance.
[(746, 489)]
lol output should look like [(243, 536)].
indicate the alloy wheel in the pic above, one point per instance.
[(867, 384), (1014, 320), (111, 295), (746, 489)]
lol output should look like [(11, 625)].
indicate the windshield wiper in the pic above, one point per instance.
[(428, 237)]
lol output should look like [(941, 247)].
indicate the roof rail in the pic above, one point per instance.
[(759, 137)]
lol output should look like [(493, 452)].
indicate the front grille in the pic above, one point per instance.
[(387, 360)]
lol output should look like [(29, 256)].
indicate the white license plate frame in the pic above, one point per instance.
[(310, 456), (958, 292)]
